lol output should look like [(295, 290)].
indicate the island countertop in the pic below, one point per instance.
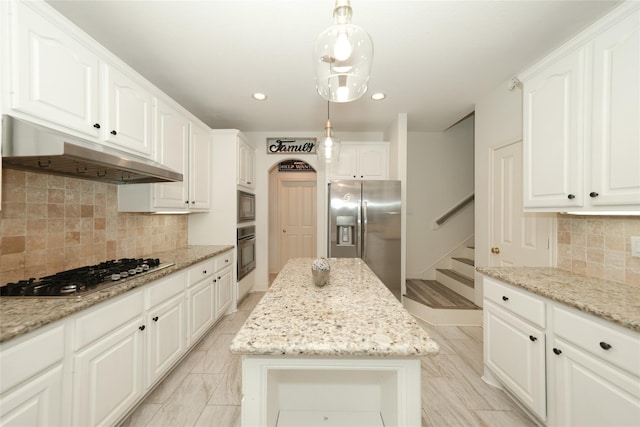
[(355, 315), (19, 315), (616, 302)]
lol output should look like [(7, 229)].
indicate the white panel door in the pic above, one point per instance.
[(166, 337), (615, 143), (297, 219), (517, 238)]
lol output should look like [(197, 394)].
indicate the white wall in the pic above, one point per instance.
[(498, 122), (440, 175), (264, 162)]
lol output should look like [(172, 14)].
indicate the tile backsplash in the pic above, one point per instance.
[(50, 223), (599, 246)]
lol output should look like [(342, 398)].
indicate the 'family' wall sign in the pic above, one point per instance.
[(291, 145)]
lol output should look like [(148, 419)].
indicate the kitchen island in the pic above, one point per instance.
[(345, 354)]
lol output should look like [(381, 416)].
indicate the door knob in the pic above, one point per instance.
[(284, 231), (495, 250)]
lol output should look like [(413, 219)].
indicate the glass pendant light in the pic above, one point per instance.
[(342, 57), (329, 146)]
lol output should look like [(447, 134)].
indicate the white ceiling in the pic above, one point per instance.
[(433, 59)]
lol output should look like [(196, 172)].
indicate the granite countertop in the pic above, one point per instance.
[(19, 315), (616, 302), (354, 315)]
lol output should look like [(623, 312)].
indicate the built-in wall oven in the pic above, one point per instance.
[(246, 243), (246, 206)]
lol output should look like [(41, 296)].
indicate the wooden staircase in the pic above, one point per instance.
[(447, 300)]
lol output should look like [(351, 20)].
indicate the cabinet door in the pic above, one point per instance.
[(38, 402), (515, 352), (615, 153), (553, 137), (224, 291), (108, 376), (347, 165), (56, 77), (373, 162), (590, 392), (129, 110), (172, 145), (166, 337), (201, 309), (246, 165), (200, 168)]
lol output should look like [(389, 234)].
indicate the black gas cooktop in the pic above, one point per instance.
[(83, 280)]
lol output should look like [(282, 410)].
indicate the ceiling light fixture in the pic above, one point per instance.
[(259, 96), (329, 147), (378, 96), (342, 57)]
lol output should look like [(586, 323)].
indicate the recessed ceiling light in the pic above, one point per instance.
[(259, 96), (378, 96)]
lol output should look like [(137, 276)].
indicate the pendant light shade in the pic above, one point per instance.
[(329, 147), (342, 58)]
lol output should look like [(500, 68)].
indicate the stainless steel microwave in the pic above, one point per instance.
[(246, 206)]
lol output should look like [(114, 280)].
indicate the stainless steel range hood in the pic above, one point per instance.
[(36, 148)]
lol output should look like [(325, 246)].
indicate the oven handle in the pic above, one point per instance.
[(246, 241)]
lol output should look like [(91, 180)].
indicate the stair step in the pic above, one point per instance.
[(467, 261), (435, 295), (465, 280)]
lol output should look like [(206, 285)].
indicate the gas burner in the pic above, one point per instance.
[(83, 280)]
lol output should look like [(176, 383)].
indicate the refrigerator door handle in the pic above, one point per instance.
[(364, 229), (359, 232)]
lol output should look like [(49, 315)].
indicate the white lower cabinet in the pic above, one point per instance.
[(32, 387), (515, 352), (595, 369), (584, 370), (92, 368), (166, 321), (108, 371)]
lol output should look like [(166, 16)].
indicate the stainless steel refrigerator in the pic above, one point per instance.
[(364, 222)]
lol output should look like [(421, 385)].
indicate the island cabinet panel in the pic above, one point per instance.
[(316, 356), (332, 392)]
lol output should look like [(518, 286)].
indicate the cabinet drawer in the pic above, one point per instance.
[(201, 271), (593, 335), (518, 301), (165, 288), (224, 260), (107, 317), (39, 351)]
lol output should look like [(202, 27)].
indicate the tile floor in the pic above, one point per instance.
[(204, 389)]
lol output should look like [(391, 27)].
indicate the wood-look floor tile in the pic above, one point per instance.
[(163, 390), (142, 415), (474, 332), (228, 391), (504, 419), (219, 416), (443, 406), (187, 401)]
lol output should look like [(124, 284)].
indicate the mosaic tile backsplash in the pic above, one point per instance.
[(50, 223), (599, 246)]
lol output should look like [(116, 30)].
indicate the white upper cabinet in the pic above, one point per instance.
[(581, 107), (362, 160), (184, 146), (246, 165), (200, 168), (172, 146), (615, 134), (56, 76), (129, 109)]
